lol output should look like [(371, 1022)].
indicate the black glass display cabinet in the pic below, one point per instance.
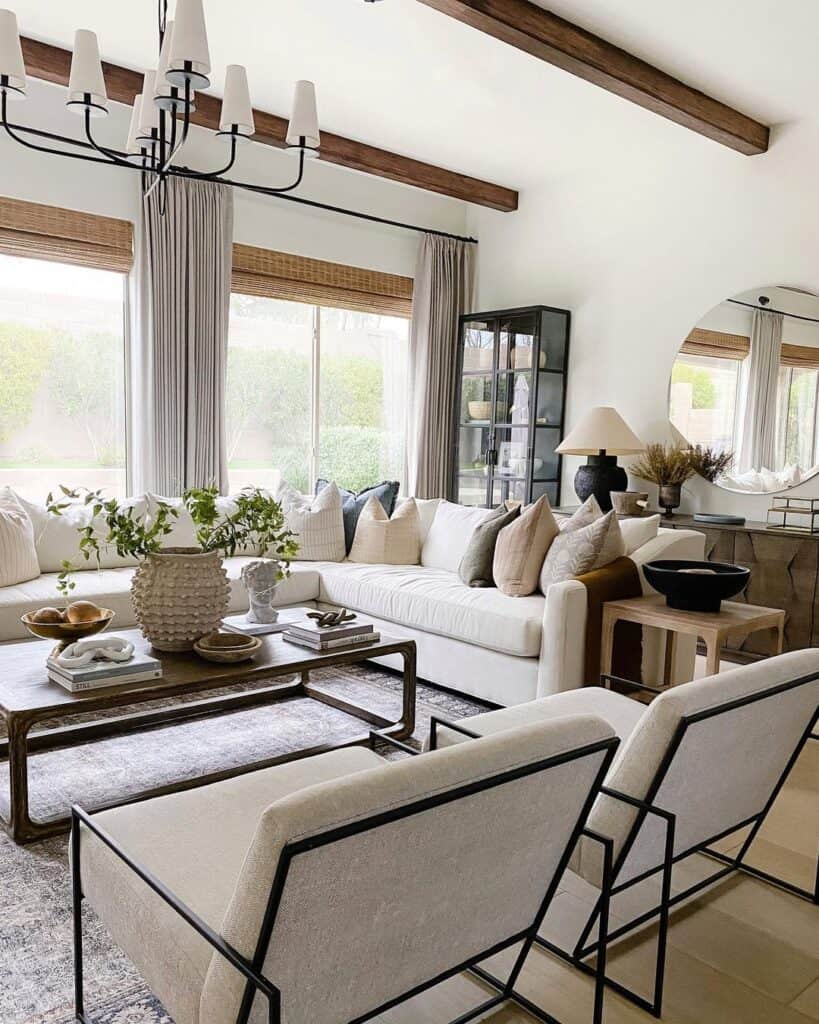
[(511, 405)]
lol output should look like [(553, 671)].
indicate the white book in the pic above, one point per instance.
[(359, 640), (242, 624), (83, 686), (101, 669), (311, 630)]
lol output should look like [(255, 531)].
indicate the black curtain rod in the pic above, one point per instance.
[(180, 172), (783, 312)]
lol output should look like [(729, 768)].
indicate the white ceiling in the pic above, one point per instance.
[(399, 75)]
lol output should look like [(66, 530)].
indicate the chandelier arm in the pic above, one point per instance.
[(186, 123), (10, 131), (110, 155), (215, 174)]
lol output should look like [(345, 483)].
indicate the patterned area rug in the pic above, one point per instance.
[(35, 918)]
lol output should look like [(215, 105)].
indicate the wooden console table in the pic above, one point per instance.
[(734, 621), (784, 568)]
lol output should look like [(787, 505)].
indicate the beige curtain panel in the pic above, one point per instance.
[(281, 275), (185, 268), (758, 447), (443, 291), (65, 236), (716, 344)]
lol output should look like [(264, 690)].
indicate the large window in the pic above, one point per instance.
[(62, 376), (314, 391), (796, 417), (704, 392)]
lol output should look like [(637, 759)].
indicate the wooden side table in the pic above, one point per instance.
[(733, 621)]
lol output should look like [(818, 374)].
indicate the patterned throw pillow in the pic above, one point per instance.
[(475, 569), (578, 551), (588, 513), (353, 504), (317, 523), (380, 540), (521, 548), (18, 555)]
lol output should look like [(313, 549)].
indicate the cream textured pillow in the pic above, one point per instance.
[(637, 532), (18, 555), (317, 522), (521, 548), (588, 513), (380, 540), (575, 552)]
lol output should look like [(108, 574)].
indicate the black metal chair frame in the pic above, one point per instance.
[(584, 949), (251, 969)]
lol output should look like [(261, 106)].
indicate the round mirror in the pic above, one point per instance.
[(745, 384)]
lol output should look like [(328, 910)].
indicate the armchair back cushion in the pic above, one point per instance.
[(366, 918), (726, 766)]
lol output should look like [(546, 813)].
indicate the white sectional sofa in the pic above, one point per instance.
[(478, 641)]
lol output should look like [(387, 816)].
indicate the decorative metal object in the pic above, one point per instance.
[(262, 578), (161, 116), (180, 595), (335, 618), (670, 498), (805, 509)]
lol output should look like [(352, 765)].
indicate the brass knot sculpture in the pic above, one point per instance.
[(336, 618)]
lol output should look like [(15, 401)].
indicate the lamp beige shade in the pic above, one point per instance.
[(601, 429), (236, 106), (11, 55), (86, 79)]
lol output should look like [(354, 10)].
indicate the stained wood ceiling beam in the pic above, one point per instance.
[(559, 42), (52, 64)]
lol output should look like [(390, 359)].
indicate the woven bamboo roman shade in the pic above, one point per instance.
[(281, 275), (716, 344), (65, 236), (805, 357)]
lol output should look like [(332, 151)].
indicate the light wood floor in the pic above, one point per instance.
[(743, 953)]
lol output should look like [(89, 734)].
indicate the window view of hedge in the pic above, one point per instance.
[(62, 385), (357, 383)]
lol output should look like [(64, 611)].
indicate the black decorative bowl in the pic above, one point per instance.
[(696, 586)]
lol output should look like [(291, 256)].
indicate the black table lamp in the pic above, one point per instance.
[(602, 434)]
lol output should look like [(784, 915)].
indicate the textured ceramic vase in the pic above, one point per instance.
[(180, 595)]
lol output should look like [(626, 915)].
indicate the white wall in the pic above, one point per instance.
[(639, 248), (269, 222)]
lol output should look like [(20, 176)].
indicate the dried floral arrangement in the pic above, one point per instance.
[(664, 464), (709, 463)]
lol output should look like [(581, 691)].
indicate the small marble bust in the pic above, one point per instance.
[(262, 579)]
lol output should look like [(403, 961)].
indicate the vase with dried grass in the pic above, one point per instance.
[(668, 466)]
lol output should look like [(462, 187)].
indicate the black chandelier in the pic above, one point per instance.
[(161, 116)]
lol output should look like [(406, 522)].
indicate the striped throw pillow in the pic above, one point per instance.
[(18, 555)]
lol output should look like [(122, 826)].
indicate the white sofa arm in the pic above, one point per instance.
[(563, 639)]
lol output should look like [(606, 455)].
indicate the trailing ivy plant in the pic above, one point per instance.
[(257, 522)]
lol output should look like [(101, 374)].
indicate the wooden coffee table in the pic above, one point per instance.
[(29, 698)]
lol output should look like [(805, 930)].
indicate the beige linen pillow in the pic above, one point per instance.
[(380, 540), (18, 555), (575, 552), (317, 522), (588, 513), (521, 548)]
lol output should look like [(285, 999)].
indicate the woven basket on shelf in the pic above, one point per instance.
[(180, 595)]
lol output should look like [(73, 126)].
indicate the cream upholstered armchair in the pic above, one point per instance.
[(324, 891), (704, 760)]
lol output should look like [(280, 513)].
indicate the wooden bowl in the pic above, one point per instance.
[(67, 632), (227, 648)]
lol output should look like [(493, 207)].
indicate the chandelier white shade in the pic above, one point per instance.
[(303, 131), (149, 111), (237, 110), (189, 58), (86, 84), (12, 68), (601, 429), (134, 144)]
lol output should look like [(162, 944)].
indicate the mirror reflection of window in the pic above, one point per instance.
[(746, 381)]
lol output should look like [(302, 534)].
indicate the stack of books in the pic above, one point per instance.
[(308, 633), (287, 617), (100, 674)]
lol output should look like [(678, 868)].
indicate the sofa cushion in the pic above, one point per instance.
[(449, 535), (173, 836), (637, 532), (521, 548), (588, 513), (578, 551), (385, 540), (18, 555), (353, 504), (475, 569), (427, 507), (438, 602)]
